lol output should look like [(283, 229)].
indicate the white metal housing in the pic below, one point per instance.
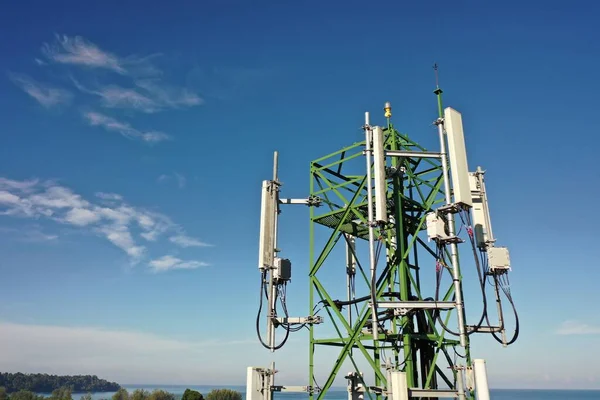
[(480, 217), (436, 228), (254, 383), (380, 181), (268, 208), (457, 155), (399, 386), (482, 389), (283, 269), (498, 258)]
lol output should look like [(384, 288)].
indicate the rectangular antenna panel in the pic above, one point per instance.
[(350, 251), (379, 171), (480, 228), (457, 154), (399, 385), (268, 208), (254, 384)]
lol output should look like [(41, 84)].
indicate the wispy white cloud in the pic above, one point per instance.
[(168, 262), (48, 96), (117, 97), (109, 216), (79, 51), (23, 186), (149, 96), (76, 50), (109, 196), (81, 216), (120, 236), (123, 128), (572, 327), (186, 241), (113, 96), (180, 179), (169, 96)]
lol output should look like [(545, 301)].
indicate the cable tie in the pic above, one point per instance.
[(470, 231)]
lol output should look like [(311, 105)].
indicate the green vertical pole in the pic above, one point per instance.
[(403, 271), (392, 276), (438, 92), (311, 261)]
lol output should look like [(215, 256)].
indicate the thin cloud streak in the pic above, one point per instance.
[(169, 262), (181, 180), (109, 196), (123, 128), (169, 96), (149, 96), (47, 96), (186, 241), (79, 51), (577, 328)]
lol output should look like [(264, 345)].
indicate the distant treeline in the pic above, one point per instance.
[(44, 383), (65, 393)]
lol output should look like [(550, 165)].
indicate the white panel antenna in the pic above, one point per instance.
[(254, 384), (380, 181), (481, 381), (458, 156), (480, 227), (268, 208), (399, 386), (482, 223)]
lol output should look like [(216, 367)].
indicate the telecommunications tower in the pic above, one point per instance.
[(400, 214)]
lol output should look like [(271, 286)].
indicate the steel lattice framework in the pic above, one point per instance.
[(415, 340)]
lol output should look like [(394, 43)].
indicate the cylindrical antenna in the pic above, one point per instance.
[(367, 119), (438, 92), (275, 161)]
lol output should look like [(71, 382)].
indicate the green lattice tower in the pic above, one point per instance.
[(419, 346)]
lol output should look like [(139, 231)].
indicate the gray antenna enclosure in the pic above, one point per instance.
[(458, 157), (379, 170), (268, 208)]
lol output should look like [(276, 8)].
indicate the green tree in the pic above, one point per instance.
[(139, 394), (62, 393), (25, 395), (223, 394), (191, 395), (160, 394), (3, 394), (87, 396), (121, 394)]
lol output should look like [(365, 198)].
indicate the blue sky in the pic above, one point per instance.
[(135, 137)]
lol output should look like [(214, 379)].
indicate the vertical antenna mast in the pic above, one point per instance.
[(450, 217), (438, 92), (272, 287)]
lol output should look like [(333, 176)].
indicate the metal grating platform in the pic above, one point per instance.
[(353, 226)]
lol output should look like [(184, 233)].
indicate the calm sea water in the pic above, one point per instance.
[(340, 394)]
